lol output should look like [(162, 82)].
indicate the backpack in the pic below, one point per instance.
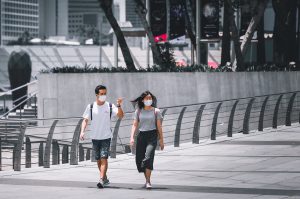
[(91, 110)]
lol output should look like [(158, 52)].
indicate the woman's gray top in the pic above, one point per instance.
[(146, 118)]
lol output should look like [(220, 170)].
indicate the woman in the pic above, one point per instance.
[(147, 119)]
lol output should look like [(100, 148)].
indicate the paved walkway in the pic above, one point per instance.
[(261, 165)]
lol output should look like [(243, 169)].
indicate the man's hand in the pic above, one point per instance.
[(119, 101), (82, 136)]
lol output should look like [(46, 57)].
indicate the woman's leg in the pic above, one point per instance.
[(149, 157), (140, 152)]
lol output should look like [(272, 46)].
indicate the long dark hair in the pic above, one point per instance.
[(139, 100)]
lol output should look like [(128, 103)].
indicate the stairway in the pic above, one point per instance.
[(9, 131)]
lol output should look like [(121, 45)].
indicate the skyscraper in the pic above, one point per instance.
[(18, 16)]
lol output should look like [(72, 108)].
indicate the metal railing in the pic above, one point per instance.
[(29, 97), (58, 142)]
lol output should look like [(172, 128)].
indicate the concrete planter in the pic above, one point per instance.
[(67, 95)]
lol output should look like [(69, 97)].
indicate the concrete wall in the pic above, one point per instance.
[(67, 95)]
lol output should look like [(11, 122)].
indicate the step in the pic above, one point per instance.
[(22, 117)]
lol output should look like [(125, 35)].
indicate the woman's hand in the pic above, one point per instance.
[(161, 144), (131, 142)]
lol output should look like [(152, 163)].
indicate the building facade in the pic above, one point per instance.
[(18, 16)]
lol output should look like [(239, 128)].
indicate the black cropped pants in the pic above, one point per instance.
[(145, 150)]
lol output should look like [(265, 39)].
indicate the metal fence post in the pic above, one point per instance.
[(41, 154), (75, 144), (196, 130), (28, 153), (262, 115), (247, 116), (231, 118), (275, 115), (178, 127), (18, 148), (214, 123), (48, 145), (65, 154), (288, 121), (113, 148)]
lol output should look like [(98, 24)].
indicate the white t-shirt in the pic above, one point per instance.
[(100, 128)]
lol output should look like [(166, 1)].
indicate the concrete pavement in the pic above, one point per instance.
[(260, 165)]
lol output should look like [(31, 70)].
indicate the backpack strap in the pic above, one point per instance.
[(91, 110), (110, 110)]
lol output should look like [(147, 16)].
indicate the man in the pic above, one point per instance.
[(100, 113)]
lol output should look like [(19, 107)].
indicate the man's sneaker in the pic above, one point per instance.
[(106, 182), (148, 185), (100, 184)]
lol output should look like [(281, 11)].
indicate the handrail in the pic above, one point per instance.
[(10, 91), (16, 106), (186, 129)]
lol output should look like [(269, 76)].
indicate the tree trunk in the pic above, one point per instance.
[(225, 54), (236, 40), (106, 6), (284, 34), (189, 26), (252, 27), (261, 53), (142, 11)]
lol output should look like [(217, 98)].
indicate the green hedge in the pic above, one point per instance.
[(192, 68)]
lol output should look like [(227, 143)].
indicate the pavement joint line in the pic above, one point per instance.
[(157, 187)]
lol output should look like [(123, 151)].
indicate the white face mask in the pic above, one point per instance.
[(102, 98), (148, 102)]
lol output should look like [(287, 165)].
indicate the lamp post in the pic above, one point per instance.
[(198, 31)]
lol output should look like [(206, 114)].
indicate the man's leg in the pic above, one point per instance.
[(103, 168), (99, 166)]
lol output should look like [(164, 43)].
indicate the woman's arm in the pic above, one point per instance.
[(160, 134), (133, 130)]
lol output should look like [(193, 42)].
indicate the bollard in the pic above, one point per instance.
[(275, 115), (65, 154), (93, 159), (88, 154), (214, 123), (247, 117), (48, 145), (28, 153), (196, 130), (178, 127), (288, 121), (81, 153), (55, 152), (262, 115)]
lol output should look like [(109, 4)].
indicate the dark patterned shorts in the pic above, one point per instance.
[(101, 148)]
